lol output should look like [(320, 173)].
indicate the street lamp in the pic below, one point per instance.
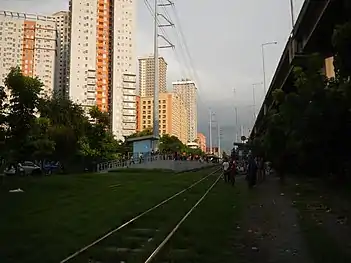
[(254, 98), (236, 113), (263, 63)]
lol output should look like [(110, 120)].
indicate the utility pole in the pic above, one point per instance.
[(264, 65), (156, 104), (210, 131), (219, 139), (156, 64), (236, 116), (254, 98)]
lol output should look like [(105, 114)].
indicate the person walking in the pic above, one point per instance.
[(252, 172), (232, 172), (225, 166)]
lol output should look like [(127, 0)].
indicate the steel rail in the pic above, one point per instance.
[(169, 236), (85, 248)]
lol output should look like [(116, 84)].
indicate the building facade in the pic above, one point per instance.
[(187, 91), (62, 59), (201, 140), (138, 129), (102, 60), (147, 76), (172, 115), (30, 42), (329, 68)]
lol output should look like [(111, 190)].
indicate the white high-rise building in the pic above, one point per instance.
[(187, 90), (30, 42), (102, 60), (62, 58), (147, 76)]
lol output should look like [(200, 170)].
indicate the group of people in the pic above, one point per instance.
[(256, 169)]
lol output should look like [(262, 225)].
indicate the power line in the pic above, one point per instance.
[(181, 50)]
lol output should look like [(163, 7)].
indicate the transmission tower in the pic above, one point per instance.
[(166, 22)]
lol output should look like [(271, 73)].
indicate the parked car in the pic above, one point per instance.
[(11, 170), (25, 168)]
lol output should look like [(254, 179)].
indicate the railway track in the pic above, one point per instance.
[(141, 238)]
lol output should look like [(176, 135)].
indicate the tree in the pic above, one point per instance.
[(68, 125), (23, 103), (41, 145), (170, 143), (145, 132), (308, 129), (3, 122)]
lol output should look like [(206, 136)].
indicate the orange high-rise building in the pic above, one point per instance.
[(29, 41), (138, 129), (201, 140), (172, 115), (102, 60)]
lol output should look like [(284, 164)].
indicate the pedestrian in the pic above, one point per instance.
[(252, 172), (225, 166), (232, 172)]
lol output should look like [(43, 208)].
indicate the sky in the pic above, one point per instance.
[(223, 38)]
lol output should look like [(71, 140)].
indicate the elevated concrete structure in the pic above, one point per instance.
[(312, 34)]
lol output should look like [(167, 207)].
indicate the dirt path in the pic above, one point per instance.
[(269, 230)]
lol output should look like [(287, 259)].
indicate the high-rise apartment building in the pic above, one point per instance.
[(187, 91), (28, 41), (102, 59), (147, 76), (138, 115), (201, 141), (172, 115), (62, 59)]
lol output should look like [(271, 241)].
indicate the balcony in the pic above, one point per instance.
[(91, 89), (129, 112), (129, 99), (91, 82), (131, 92), (131, 78), (127, 85), (129, 105), (129, 126), (129, 119)]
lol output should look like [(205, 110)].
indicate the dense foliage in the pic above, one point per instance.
[(308, 130), (56, 129), (169, 143)]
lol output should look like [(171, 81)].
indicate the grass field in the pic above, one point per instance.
[(57, 215), (207, 236)]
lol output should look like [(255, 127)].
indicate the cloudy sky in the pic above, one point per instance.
[(224, 40)]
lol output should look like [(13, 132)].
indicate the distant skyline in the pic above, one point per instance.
[(225, 46)]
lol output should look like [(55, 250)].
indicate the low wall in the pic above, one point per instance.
[(177, 166)]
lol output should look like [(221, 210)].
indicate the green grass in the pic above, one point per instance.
[(140, 170), (155, 225), (57, 215), (208, 235)]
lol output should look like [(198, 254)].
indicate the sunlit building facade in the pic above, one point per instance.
[(172, 115), (186, 89), (29, 41), (147, 76), (102, 60)]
